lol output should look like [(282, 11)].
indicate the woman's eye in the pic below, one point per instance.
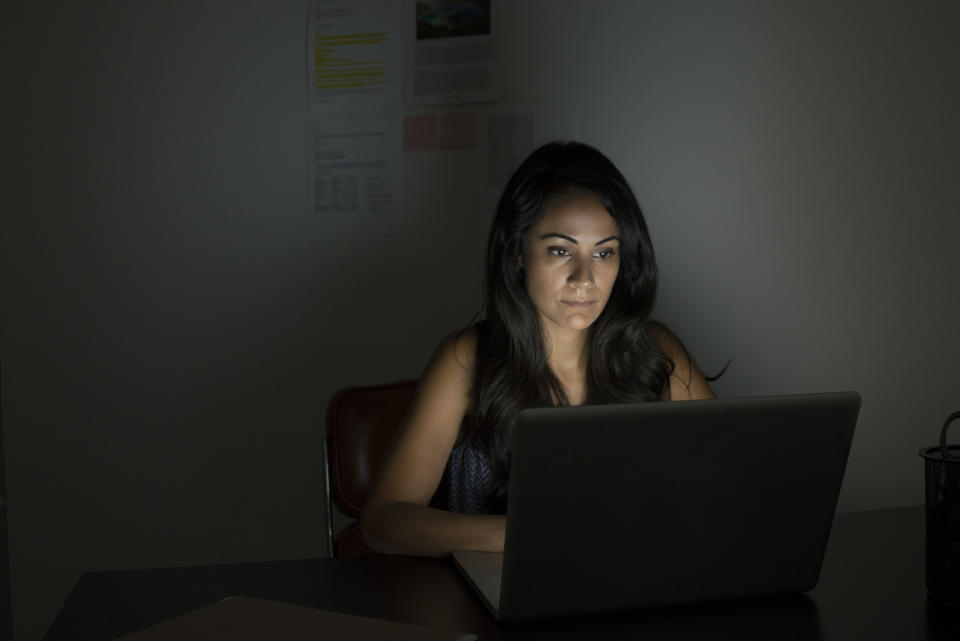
[(559, 251), (605, 253)]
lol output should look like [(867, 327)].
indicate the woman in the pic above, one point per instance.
[(570, 283)]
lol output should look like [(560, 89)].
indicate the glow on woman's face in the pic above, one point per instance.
[(571, 258)]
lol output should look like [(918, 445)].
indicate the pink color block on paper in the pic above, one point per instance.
[(420, 132), (458, 130)]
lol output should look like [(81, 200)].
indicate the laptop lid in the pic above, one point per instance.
[(615, 507)]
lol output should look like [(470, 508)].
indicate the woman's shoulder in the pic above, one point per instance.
[(446, 383), (457, 350), (686, 380)]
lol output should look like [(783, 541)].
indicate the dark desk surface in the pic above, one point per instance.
[(871, 587)]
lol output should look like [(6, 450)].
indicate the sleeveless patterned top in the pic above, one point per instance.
[(468, 485)]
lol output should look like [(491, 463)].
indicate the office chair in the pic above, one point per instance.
[(361, 424)]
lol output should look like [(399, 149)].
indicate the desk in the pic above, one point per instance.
[(871, 587)]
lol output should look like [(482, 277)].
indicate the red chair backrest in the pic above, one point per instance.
[(361, 425)]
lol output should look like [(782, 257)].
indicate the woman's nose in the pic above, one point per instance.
[(581, 274)]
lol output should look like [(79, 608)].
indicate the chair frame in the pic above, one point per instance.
[(329, 500)]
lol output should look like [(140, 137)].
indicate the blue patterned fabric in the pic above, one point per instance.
[(468, 485)]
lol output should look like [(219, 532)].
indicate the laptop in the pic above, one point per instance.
[(619, 507)]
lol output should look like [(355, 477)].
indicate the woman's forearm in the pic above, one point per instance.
[(410, 528)]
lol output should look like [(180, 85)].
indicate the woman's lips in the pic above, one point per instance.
[(579, 304)]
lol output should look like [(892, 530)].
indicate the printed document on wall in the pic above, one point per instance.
[(353, 170), (353, 55), (354, 95), (450, 52)]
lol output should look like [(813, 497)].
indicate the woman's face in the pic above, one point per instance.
[(570, 259)]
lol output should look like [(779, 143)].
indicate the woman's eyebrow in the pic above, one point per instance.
[(574, 240), (556, 235)]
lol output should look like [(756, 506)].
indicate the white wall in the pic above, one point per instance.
[(171, 334)]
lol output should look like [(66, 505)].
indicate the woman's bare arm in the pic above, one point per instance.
[(687, 381), (397, 517)]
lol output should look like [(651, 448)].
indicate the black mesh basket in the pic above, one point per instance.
[(942, 465)]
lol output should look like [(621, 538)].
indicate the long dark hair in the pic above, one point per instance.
[(624, 363)]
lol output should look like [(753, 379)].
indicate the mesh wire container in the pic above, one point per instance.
[(942, 471)]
